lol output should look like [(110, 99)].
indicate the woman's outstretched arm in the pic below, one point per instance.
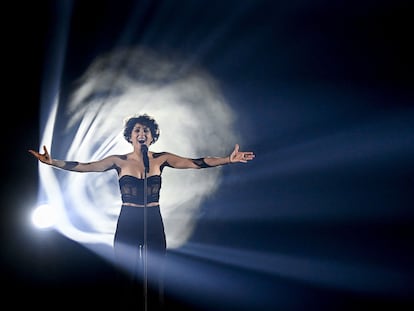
[(95, 166), (236, 156)]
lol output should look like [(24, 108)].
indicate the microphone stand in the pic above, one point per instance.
[(144, 150)]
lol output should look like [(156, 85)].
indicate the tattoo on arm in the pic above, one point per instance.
[(201, 163), (70, 165), (158, 154)]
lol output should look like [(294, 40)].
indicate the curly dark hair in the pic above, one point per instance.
[(145, 120)]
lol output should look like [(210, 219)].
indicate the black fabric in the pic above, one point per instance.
[(201, 163), (139, 228), (130, 231), (132, 189)]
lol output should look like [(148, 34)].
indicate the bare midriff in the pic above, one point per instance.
[(141, 205)]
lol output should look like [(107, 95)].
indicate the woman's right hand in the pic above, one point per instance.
[(42, 157)]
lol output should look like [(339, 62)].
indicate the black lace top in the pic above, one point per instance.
[(132, 189)]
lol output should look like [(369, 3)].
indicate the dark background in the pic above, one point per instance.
[(333, 63)]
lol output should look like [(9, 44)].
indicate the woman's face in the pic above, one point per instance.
[(141, 134)]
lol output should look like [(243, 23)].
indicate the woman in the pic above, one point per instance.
[(140, 227)]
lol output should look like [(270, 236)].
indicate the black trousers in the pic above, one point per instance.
[(140, 247)]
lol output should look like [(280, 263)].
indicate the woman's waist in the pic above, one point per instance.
[(139, 199), (151, 204)]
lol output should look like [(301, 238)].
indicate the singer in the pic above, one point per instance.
[(139, 175)]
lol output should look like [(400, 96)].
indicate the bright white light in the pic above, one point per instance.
[(195, 121), (44, 216)]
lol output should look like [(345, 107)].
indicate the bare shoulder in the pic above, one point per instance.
[(120, 156), (115, 157)]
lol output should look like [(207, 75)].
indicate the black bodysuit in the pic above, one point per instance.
[(132, 233)]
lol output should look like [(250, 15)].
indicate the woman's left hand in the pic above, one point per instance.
[(240, 156)]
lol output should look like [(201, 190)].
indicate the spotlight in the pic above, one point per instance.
[(44, 216)]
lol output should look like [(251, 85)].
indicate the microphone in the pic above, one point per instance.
[(144, 150)]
